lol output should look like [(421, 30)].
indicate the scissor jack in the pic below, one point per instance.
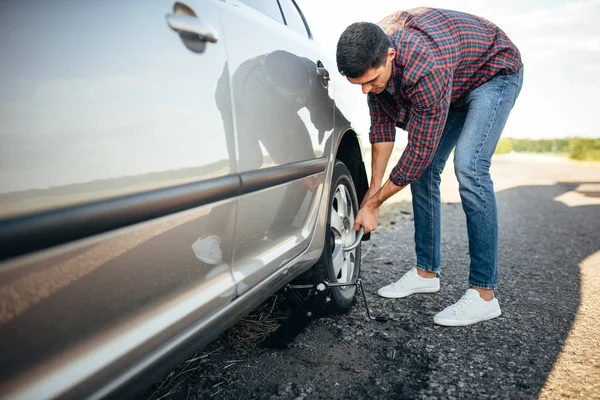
[(315, 302)]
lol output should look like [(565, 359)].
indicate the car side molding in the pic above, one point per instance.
[(39, 231)]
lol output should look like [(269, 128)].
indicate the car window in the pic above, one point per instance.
[(268, 7), (293, 18)]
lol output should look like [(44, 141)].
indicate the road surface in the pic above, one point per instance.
[(545, 345)]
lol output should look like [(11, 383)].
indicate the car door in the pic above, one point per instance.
[(117, 188), (284, 116)]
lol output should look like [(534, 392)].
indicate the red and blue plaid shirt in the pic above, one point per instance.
[(441, 56)]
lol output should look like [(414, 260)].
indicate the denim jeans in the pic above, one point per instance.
[(474, 130)]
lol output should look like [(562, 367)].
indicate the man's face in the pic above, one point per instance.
[(375, 80)]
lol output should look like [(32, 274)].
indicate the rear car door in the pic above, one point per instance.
[(117, 188), (284, 115)]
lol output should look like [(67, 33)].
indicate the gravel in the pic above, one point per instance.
[(542, 243)]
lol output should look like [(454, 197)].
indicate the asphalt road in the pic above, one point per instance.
[(545, 345)]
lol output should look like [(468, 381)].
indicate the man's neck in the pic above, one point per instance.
[(392, 86)]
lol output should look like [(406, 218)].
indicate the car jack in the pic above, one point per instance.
[(317, 299)]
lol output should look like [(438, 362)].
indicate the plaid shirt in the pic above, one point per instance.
[(441, 56)]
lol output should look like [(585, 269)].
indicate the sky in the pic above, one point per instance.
[(559, 42), (125, 101)]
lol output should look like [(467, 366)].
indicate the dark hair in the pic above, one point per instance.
[(363, 45)]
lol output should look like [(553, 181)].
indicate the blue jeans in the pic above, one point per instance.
[(474, 130)]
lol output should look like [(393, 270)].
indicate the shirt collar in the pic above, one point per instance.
[(395, 76)]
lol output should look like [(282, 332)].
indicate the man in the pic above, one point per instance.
[(268, 90), (450, 79)]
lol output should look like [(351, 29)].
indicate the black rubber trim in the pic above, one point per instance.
[(26, 234), (263, 179), (282, 13), (310, 36)]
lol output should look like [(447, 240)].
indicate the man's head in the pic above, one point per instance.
[(365, 55), (289, 74)]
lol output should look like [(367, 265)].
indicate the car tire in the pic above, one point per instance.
[(334, 266)]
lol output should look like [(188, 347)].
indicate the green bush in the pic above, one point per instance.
[(504, 146), (584, 149), (562, 145), (540, 145), (577, 148)]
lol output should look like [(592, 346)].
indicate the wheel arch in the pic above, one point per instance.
[(349, 151)]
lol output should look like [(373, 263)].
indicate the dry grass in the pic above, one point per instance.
[(260, 323), (189, 371), (246, 334)]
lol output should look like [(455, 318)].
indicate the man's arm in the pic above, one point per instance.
[(380, 155), (368, 216), (381, 135), (431, 101)]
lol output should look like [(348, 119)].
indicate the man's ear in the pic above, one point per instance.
[(391, 53)]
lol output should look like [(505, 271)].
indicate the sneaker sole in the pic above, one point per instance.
[(210, 261), (455, 322), (394, 295)]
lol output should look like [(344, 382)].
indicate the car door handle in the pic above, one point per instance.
[(322, 72), (184, 21), (192, 25)]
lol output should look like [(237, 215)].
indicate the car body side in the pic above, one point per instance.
[(100, 288)]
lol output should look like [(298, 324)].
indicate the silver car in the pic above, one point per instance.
[(164, 169)]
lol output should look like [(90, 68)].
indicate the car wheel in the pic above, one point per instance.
[(335, 265)]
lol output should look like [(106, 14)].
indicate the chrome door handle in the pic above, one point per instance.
[(323, 74), (192, 30), (187, 24)]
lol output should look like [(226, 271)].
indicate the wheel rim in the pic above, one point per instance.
[(342, 235)]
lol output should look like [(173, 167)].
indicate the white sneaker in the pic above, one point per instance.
[(470, 309), (410, 283), (208, 250)]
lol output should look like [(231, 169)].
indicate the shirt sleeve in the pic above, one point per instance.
[(430, 99), (383, 126)]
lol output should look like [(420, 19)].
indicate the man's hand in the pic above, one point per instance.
[(368, 217)]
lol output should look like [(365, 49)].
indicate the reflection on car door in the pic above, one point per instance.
[(283, 117), (110, 111)]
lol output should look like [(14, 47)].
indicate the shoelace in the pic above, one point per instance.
[(404, 278), (214, 246), (460, 305)]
